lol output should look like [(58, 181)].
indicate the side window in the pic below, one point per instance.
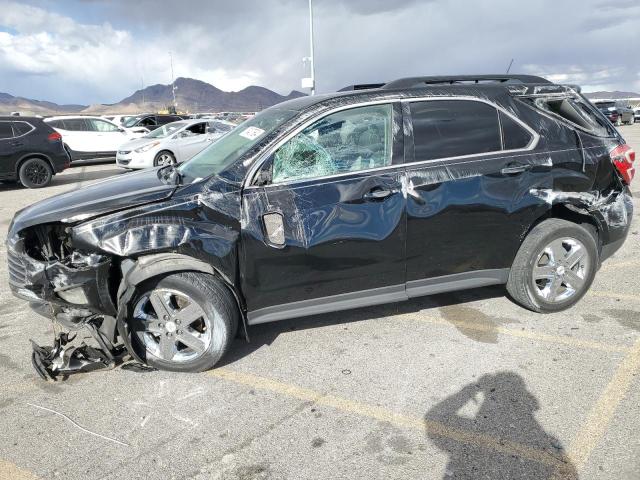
[(21, 128), (101, 125), (148, 122), (452, 128), (197, 129), (514, 135), (357, 139), (56, 124), (76, 125), (5, 130)]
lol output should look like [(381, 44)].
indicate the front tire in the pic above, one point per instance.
[(182, 322), (35, 173), (554, 266), (164, 159)]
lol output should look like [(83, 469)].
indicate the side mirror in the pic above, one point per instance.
[(122, 130)]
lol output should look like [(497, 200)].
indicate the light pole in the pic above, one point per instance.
[(310, 82), (173, 86), (311, 59)]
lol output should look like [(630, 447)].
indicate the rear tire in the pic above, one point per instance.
[(35, 173), (554, 266), (198, 322)]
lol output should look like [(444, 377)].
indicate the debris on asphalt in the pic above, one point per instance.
[(79, 426)]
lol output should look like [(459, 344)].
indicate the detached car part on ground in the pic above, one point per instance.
[(420, 186)]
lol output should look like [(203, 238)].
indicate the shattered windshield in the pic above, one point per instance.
[(234, 144), (166, 130)]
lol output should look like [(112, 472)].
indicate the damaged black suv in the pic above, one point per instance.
[(325, 203)]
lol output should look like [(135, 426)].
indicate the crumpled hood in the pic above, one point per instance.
[(115, 193)]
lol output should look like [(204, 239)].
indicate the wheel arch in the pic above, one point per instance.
[(134, 272), (28, 156), (574, 214)]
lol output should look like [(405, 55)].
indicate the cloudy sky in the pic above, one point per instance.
[(99, 51)]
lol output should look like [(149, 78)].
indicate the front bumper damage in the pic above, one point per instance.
[(74, 293)]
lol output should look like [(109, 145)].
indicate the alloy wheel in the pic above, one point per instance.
[(36, 173), (165, 160), (171, 325), (560, 270)]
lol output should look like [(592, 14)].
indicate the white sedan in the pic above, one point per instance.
[(172, 143)]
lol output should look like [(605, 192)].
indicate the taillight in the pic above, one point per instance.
[(623, 157), (54, 136)]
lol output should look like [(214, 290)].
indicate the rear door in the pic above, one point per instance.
[(108, 137), (468, 193), (327, 231), (77, 135)]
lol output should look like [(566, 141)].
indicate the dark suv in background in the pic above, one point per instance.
[(30, 151), (148, 122), (324, 203), (618, 112)]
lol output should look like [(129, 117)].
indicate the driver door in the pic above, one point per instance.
[(192, 140), (325, 225)]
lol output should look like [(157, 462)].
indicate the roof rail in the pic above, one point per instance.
[(415, 82), (363, 86)]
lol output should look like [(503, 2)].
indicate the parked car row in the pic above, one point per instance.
[(34, 149), (618, 111)]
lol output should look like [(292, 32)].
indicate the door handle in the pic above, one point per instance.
[(511, 169), (377, 194)]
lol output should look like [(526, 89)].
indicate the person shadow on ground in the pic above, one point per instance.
[(489, 431)]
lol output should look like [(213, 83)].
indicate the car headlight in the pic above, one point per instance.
[(147, 147)]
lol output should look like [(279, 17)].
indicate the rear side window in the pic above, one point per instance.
[(21, 128), (514, 135), (453, 128), (5, 130), (577, 112), (56, 124), (76, 124), (101, 126)]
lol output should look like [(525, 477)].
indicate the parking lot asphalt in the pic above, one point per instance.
[(462, 385)]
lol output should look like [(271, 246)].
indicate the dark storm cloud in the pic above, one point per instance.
[(236, 43)]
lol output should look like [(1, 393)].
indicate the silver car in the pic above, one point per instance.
[(172, 143)]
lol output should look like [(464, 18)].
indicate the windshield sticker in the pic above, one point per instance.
[(251, 133)]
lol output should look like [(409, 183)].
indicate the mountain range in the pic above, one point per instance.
[(611, 95), (191, 96)]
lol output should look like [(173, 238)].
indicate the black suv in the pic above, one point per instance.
[(30, 151), (330, 202)]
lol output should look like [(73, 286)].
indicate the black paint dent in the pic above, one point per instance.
[(201, 221), (335, 240)]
